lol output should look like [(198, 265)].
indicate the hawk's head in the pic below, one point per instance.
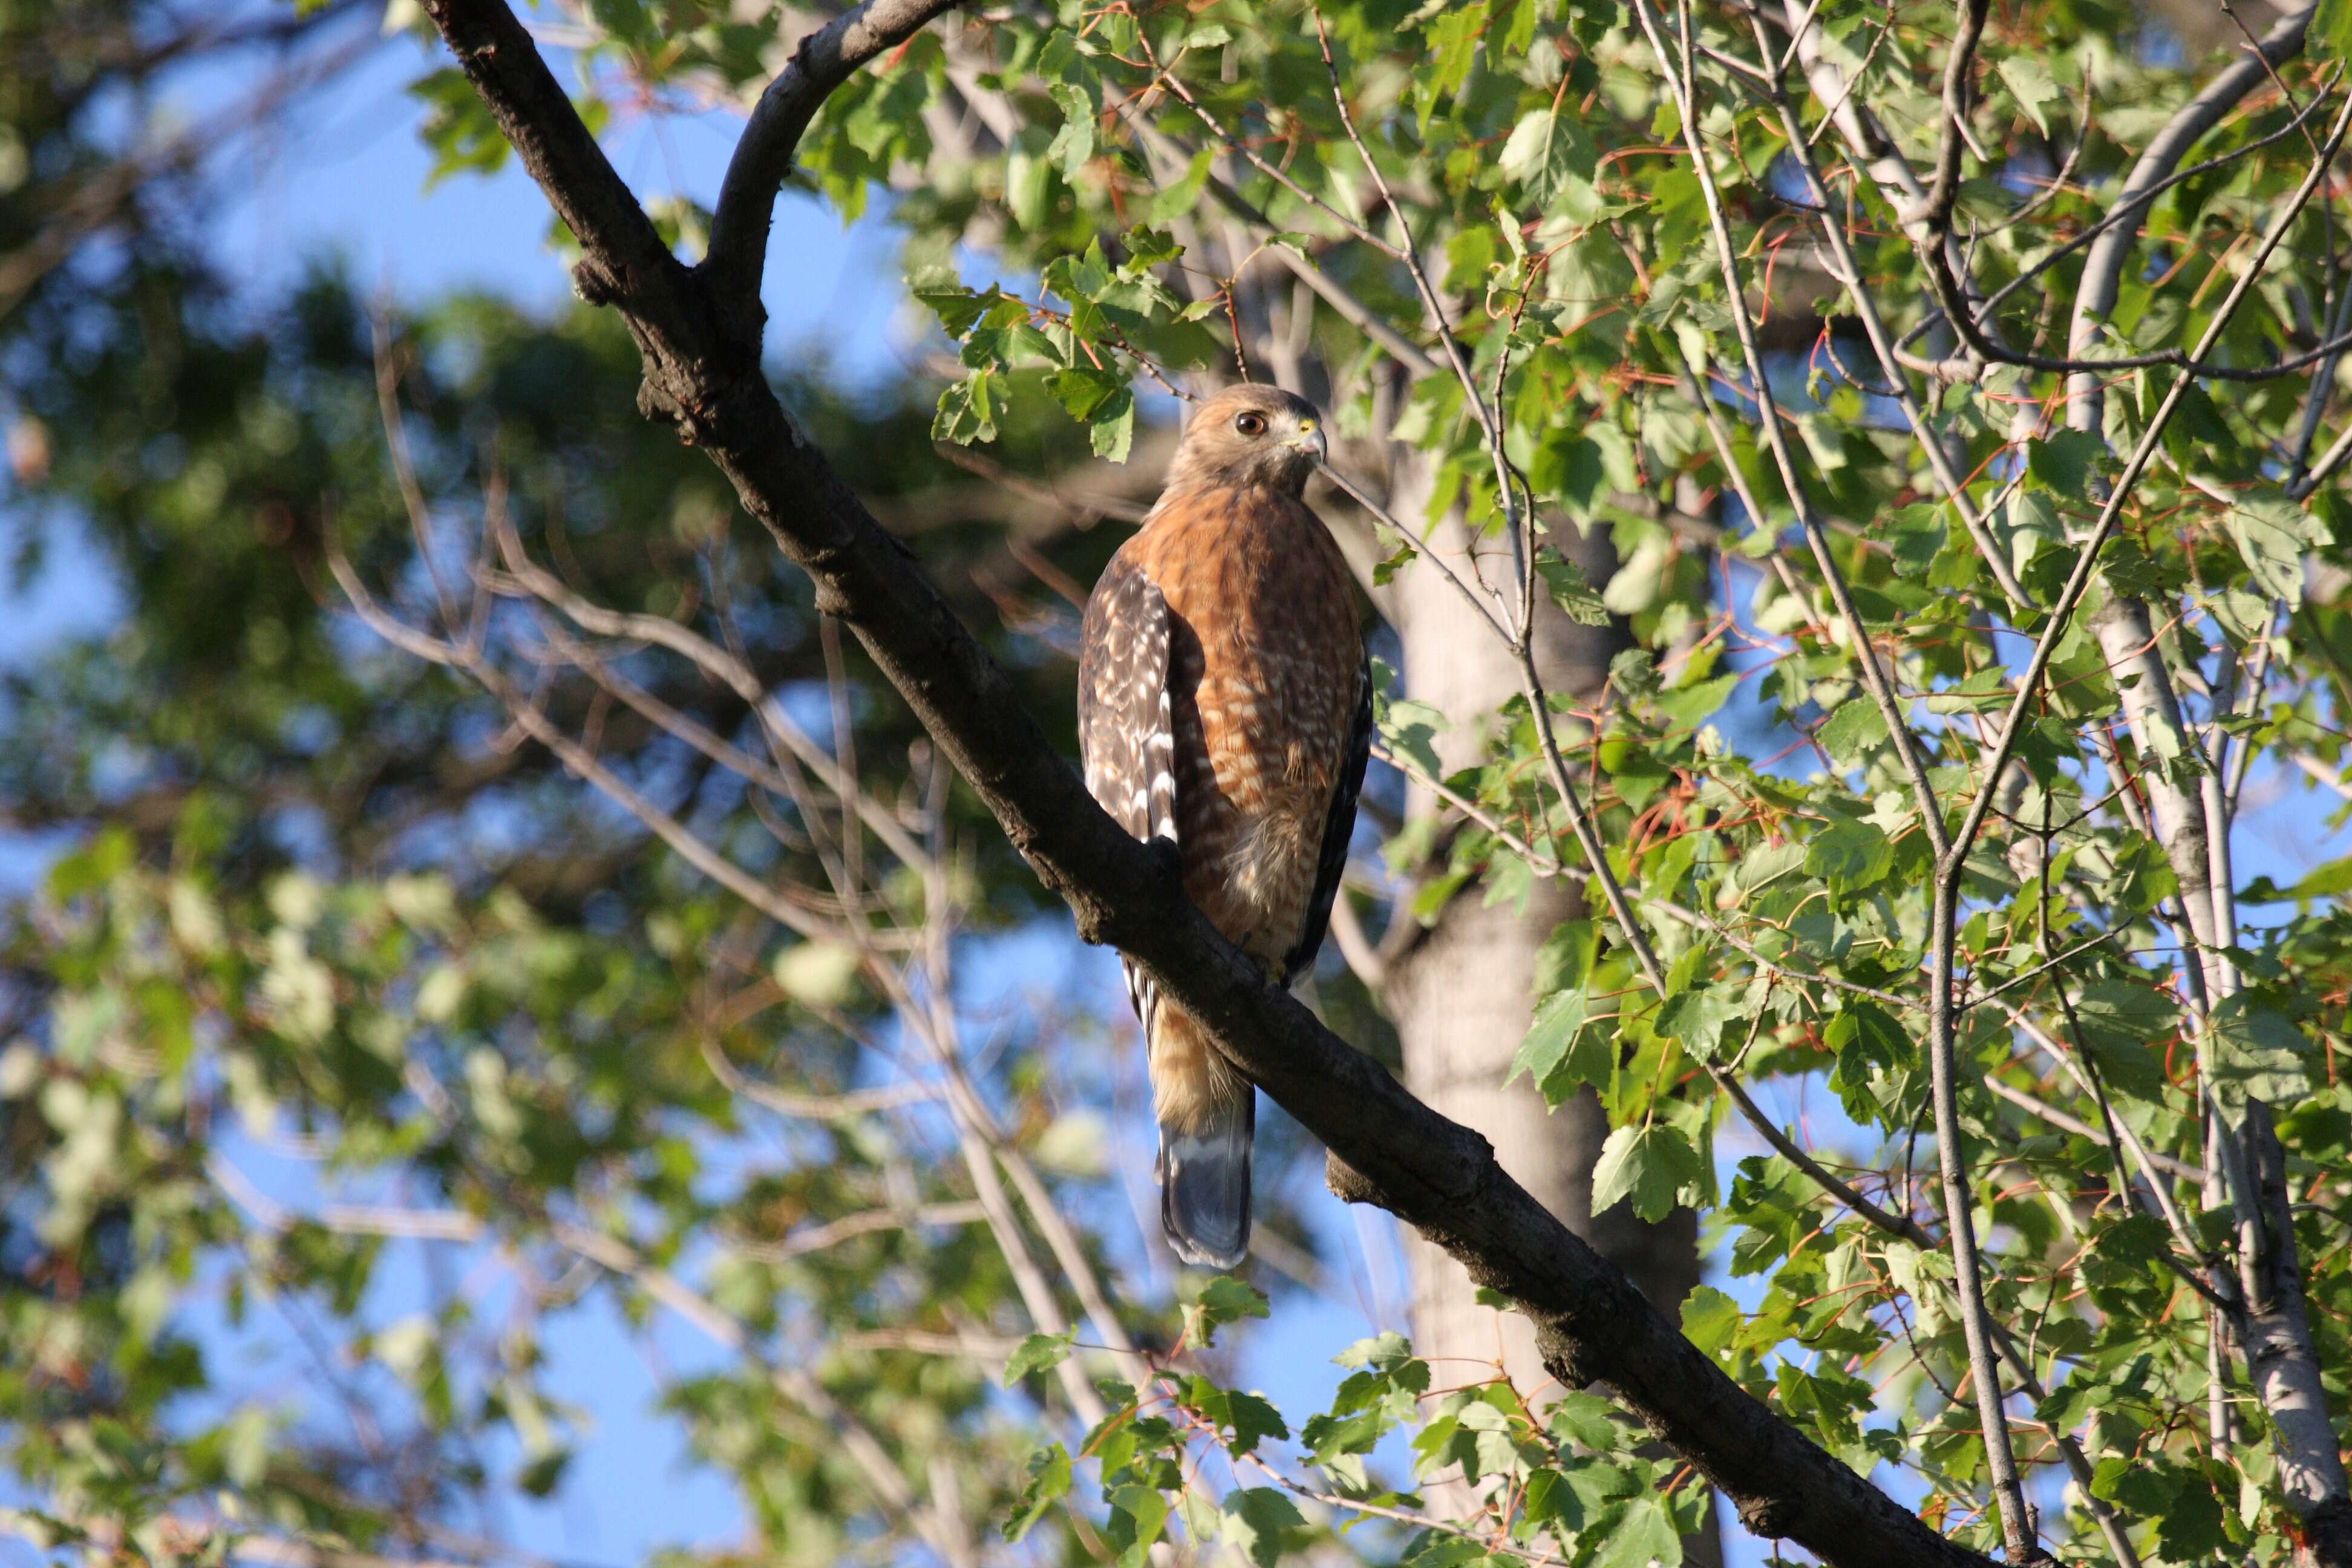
[(1250, 434)]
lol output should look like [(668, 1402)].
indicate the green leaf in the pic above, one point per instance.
[(1571, 589), (1438, 1550), (2136, 1241), (1146, 1511), (2125, 1026), (1178, 200), (1048, 1483), (1647, 1164), (1223, 1299), (1411, 730), (1384, 1352), (1246, 1416), (1711, 1319), (1687, 707), (1028, 186), (1074, 144), (1850, 854), (2257, 1054), (1564, 961), (1149, 246), (1080, 277), (1038, 1352), (939, 290), (1546, 153), (2030, 80), (1552, 1503), (1559, 1053), (1112, 432), (1574, 468), (1258, 1522), (1397, 553), (1766, 864), (2034, 527), (2331, 29), (2064, 463), (542, 1476), (1082, 390), (1586, 1420), (1452, 45), (1639, 1534), (2330, 880), (458, 125), (967, 411), (1102, 402), (1913, 535), (1987, 690), (1695, 1018), (1637, 774), (2271, 535), (1850, 735), (1634, 672), (2189, 1529), (1865, 1035)]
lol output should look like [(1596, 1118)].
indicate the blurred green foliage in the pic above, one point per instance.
[(325, 901)]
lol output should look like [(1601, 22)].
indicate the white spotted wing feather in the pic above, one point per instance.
[(1126, 735)]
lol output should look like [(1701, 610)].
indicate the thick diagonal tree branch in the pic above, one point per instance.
[(1387, 1147)]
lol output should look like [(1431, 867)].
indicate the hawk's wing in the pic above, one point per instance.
[(1127, 739), (1338, 827)]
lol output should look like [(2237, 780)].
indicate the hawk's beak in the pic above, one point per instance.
[(1310, 440)]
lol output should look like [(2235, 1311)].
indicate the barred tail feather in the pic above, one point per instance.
[(1204, 1183)]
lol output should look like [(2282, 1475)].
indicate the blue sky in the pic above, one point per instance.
[(349, 177)]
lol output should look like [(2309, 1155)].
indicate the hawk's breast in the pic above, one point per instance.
[(1265, 660)]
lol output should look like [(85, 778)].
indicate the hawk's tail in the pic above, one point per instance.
[(1208, 1115), (1204, 1186)]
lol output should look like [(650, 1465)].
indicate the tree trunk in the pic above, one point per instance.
[(1461, 996)]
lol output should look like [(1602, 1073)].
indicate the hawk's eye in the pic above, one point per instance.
[(1250, 423)]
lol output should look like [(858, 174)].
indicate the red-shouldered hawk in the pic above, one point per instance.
[(1225, 702)]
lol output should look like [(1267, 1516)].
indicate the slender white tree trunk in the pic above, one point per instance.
[(1461, 997)]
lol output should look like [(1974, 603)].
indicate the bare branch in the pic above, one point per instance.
[(720, 666), (814, 1107), (2124, 211), (1882, 343), (585, 764), (747, 197), (2103, 269), (1935, 211), (2034, 1105), (833, 1233), (192, 1539)]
